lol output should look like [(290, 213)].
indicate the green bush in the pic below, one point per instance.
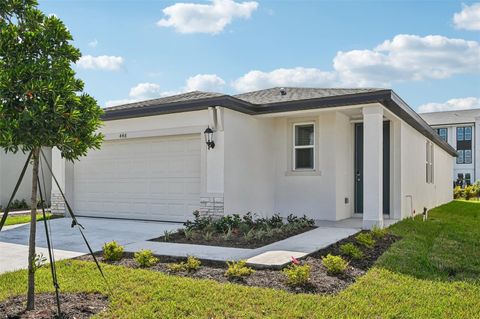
[(112, 251), (192, 264), (238, 269), (145, 258), (458, 192), (378, 232), (351, 251), (365, 239), (335, 264), (470, 192), (297, 275)]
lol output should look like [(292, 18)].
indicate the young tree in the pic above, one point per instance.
[(42, 104)]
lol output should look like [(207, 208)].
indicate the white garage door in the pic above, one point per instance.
[(149, 178)]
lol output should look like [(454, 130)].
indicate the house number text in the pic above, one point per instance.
[(123, 135)]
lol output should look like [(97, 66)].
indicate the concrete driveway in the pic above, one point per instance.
[(68, 242)]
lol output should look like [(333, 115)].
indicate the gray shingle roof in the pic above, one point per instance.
[(184, 97), (274, 95)]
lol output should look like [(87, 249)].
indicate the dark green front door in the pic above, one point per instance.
[(358, 159)]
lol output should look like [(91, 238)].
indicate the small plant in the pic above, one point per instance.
[(260, 234), (351, 251), (239, 269), (40, 261), (166, 235), (335, 264), (228, 235), (112, 251), (189, 233), (145, 258), (365, 239), (297, 275), (190, 265), (208, 236), (378, 232), (250, 236), (470, 192)]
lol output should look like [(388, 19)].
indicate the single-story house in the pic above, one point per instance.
[(331, 154), (11, 166)]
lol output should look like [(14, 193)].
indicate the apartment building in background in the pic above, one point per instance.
[(461, 129)]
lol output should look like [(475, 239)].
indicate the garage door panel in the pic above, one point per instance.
[(154, 178)]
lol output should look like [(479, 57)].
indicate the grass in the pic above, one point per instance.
[(22, 219), (432, 273)]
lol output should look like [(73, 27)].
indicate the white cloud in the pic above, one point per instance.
[(102, 62), (205, 18), (465, 103), (147, 90), (468, 18), (204, 82), (257, 80), (408, 57), (93, 44)]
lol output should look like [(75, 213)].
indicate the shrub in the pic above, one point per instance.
[(112, 251), (167, 234), (208, 236), (199, 222), (469, 192), (189, 233), (365, 239), (238, 269), (250, 235), (191, 264), (335, 264), (228, 235), (145, 258), (297, 275), (378, 232), (351, 251), (227, 222), (458, 192)]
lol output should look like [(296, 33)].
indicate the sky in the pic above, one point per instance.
[(428, 52)]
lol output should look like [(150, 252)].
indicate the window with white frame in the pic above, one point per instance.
[(304, 146), (429, 168)]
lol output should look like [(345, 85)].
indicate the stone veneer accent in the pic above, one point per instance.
[(58, 204), (211, 206)]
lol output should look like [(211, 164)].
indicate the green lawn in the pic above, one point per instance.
[(22, 219), (434, 272)]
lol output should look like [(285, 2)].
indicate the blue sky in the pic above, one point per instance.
[(427, 51)]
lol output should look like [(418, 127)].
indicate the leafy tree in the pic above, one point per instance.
[(42, 104)]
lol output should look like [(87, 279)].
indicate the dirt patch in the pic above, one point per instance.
[(73, 306), (320, 281), (237, 240)]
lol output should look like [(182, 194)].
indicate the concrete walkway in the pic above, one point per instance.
[(14, 257), (297, 246), (134, 236)]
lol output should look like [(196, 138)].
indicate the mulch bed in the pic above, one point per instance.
[(320, 281), (237, 240), (73, 306)]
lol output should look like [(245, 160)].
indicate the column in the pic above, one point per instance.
[(372, 166)]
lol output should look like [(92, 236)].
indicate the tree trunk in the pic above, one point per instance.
[(33, 230)]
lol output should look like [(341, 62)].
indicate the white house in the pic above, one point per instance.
[(331, 154), (11, 166), (461, 129)]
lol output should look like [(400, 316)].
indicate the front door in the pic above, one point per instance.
[(359, 168)]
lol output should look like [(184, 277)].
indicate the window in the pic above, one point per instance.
[(467, 156), (460, 157), (468, 180), (464, 144), (429, 169), (468, 133), (443, 133), (304, 146), (460, 133)]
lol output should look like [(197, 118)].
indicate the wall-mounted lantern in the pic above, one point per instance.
[(209, 138)]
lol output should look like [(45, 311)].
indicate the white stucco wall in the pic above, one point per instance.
[(249, 164), (320, 194), (414, 183), (11, 166)]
